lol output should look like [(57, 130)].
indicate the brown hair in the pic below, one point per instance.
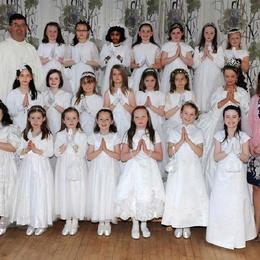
[(125, 89)]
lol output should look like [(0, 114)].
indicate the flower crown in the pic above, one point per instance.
[(178, 71), (88, 74), (233, 63)]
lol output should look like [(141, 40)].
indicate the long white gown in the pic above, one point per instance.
[(102, 180), (61, 98), (14, 102), (109, 49), (231, 215), (140, 192), (8, 170), (207, 77), (186, 203), (88, 107), (71, 176), (144, 54), (12, 55), (34, 190), (171, 47), (122, 117), (212, 122), (81, 53)]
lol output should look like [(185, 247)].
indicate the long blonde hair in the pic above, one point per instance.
[(124, 87)]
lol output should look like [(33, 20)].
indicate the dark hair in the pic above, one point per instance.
[(112, 127), (32, 88), (119, 29), (67, 110), (229, 33), (123, 73), (257, 91), (238, 129), (149, 127), (80, 92), (172, 79), (175, 26), (52, 71), (139, 39), (230, 67), (149, 72), (6, 120), (16, 16), (192, 105), (44, 127), (214, 41), (59, 39), (75, 40)]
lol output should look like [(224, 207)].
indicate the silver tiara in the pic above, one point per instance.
[(22, 67), (233, 30), (233, 63), (88, 74), (150, 70)]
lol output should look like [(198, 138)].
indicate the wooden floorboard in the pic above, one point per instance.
[(15, 245)]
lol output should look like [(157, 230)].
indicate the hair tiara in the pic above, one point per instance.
[(233, 30), (22, 67), (88, 74), (150, 70), (233, 63), (177, 71)]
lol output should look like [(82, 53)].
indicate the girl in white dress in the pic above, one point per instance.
[(208, 61), (23, 96), (33, 203), (104, 155), (140, 192), (87, 101), (186, 203), (212, 121), (231, 217), (71, 172), (52, 48), (179, 94), (145, 54), (235, 51), (175, 54), (120, 99), (114, 51), (85, 55), (9, 142), (55, 100)]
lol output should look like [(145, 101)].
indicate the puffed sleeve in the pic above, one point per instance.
[(14, 137), (199, 139), (12, 103), (218, 59), (157, 138), (219, 136), (48, 149), (82, 144)]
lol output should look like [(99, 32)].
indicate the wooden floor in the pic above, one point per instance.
[(87, 245)]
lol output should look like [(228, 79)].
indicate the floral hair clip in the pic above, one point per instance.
[(177, 71), (88, 74)]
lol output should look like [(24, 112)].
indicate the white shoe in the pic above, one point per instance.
[(145, 231), (66, 230), (135, 233), (186, 233), (39, 231), (30, 230), (101, 228), (107, 229), (2, 231), (74, 227), (178, 232)]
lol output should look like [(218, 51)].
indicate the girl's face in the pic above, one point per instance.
[(82, 32), (1, 115), (235, 40), (71, 120), (36, 119), (25, 77), (54, 80), (145, 33), (180, 81), (188, 115), (231, 118), (104, 121), (117, 77), (176, 35), (150, 82), (209, 34), (115, 37), (88, 87), (140, 118), (230, 77), (52, 33)]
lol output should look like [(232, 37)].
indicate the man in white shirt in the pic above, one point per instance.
[(15, 51)]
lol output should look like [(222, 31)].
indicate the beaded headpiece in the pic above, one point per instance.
[(233, 63), (177, 71), (88, 74)]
